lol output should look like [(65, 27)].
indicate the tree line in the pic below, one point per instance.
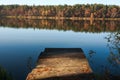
[(78, 10)]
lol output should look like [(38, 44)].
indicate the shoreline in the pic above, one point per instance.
[(61, 18)]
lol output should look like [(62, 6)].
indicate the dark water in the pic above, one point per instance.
[(21, 42)]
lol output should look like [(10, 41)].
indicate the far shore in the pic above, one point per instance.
[(61, 18)]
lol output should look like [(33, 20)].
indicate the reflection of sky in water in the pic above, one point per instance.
[(48, 36), (17, 45)]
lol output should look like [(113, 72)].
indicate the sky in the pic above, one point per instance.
[(57, 2)]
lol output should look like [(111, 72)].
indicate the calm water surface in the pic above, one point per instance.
[(21, 46)]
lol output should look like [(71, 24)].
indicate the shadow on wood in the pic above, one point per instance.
[(71, 77)]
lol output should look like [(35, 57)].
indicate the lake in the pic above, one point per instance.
[(21, 42)]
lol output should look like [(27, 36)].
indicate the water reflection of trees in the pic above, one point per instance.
[(82, 26), (4, 75), (113, 44), (113, 40), (29, 63)]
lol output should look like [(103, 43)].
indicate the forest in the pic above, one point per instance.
[(78, 10)]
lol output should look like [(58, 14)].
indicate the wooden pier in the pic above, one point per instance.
[(61, 64)]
